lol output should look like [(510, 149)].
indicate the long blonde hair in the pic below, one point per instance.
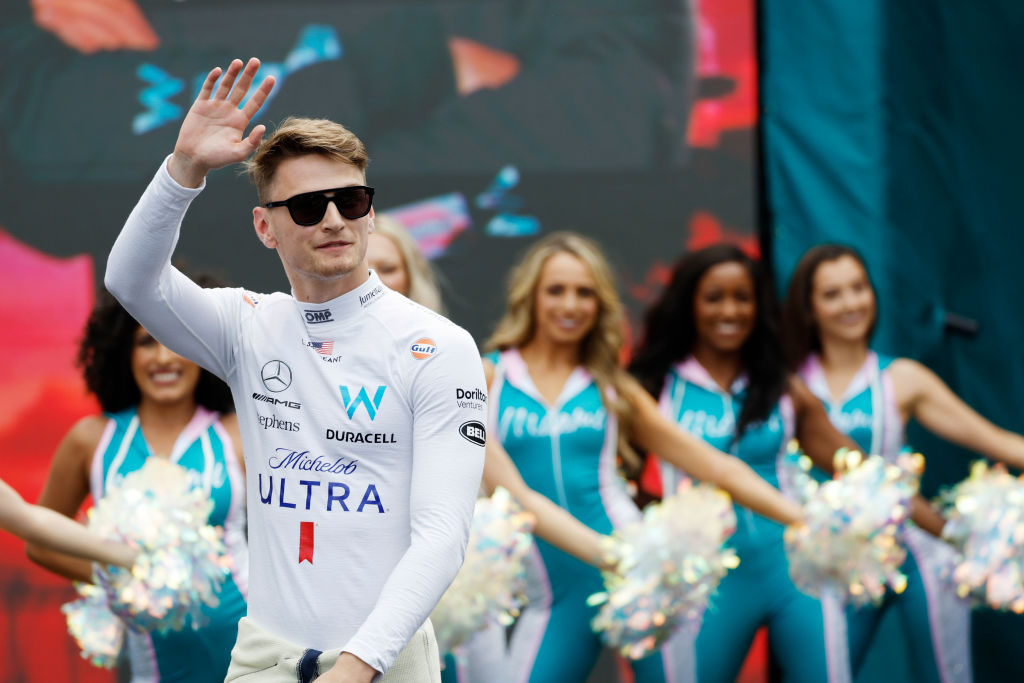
[(423, 285), (599, 350)]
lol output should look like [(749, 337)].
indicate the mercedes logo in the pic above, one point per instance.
[(277, 376)]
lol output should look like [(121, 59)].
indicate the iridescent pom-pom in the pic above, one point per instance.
[(670, 564), (94, 627), (491, 586), (985, 514), (181, 561), (179, 569), (850, 542)]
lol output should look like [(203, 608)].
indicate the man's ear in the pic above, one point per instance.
[(261, 222), (371, 228)]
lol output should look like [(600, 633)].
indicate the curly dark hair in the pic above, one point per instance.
[(799, 330), (669, 333), (105, 356)]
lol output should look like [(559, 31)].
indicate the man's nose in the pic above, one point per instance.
[(332, 219)]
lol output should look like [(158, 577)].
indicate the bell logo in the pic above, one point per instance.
[(351, 404), (422, 348), (473, 432)]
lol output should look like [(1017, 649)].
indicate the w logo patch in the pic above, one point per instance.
[(352, 404)]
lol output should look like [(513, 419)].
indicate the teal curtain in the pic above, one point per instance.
[(896, 127)]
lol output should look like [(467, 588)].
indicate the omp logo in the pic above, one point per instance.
[(351, 404), (276, 376), (424, 347), (315, 316)]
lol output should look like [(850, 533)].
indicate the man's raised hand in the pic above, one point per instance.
[(213, 132)]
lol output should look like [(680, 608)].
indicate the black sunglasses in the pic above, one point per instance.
[(309, 208)]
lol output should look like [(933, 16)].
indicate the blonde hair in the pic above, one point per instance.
[(297, 137), (423, 284), (599, 350)]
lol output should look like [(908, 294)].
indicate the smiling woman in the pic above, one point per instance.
[(711, 354), (156, 405), (161, 375), (563, 414), (829, 317)]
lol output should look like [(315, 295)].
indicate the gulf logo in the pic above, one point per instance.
[(422, 348)]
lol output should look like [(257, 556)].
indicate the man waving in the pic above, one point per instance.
[(362, 468)]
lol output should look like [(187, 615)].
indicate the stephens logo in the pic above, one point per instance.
[(276, 375), (273, 422), (368, 298), (423, 348), (315, 316), (351, 404), (276, 401), (473, 432)]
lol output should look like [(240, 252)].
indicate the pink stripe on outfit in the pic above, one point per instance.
[(234, 523), (96, 466)]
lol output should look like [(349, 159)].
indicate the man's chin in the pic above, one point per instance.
[(336, 269)]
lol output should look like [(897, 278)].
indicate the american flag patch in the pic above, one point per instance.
[(323, 348)]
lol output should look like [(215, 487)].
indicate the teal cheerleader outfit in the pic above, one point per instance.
[(567, 452), (935, 622), (207, 452), (802, 631)]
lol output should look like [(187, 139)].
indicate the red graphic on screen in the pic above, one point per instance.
[(706, 230), (726, 71), (91, 26), (41, 319)]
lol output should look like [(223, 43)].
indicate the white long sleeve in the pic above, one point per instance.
[(362, 466), (197, 323)]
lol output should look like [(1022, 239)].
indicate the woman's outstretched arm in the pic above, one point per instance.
[(922, 395), (655, 433), (43, 527)]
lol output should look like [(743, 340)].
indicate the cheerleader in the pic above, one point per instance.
[(156, 405), (829, 315), (710, 351), (562, 411)]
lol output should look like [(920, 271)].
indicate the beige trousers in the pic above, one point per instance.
[(259, 657)]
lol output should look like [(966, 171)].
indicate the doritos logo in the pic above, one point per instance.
[(423, 348)]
